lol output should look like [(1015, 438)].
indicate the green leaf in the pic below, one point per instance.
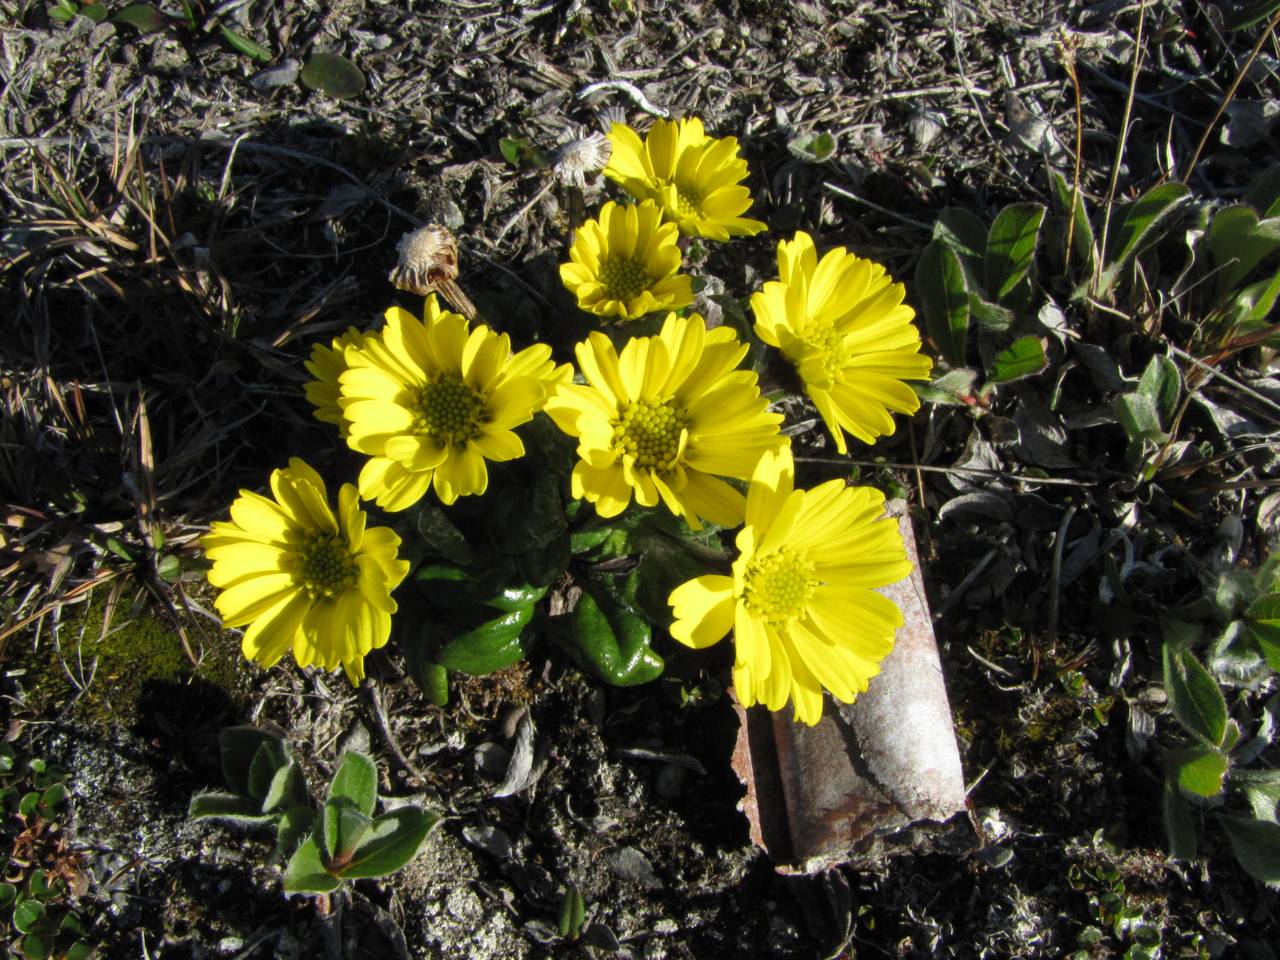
[(256, 51), (964, 232), (573, 913), (989, 316), (522, 154), (394, 840), (306, 872), (52, 797), (1177, 822), (27, 805), (1011, 247), (1238, 241), (1263, 621), (1261, 789), (78, 951), (343, 824), (64, 10), (294, 825), (333, 75), (814, 147), (1138, 415), (288, 788), (1257, 846), (1161, 383), (356, 781), (1250, 13), (27, 915), (1199, 770), (533, 521), (238, 747), (1194, 696), (142, 16), (230, 807), (1263, 192), (8, 758), (1252, 305), (8, 893), (493, 645), (262, 771), (1025, 357), (36, 946), (94, 11), (438, 533), (1083, 244), (608, 639), (1138, 229), (944, 300)]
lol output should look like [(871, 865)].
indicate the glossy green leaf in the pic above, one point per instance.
[(1256, 844), (8, 893), (944, 300), (356, 782), (254, 50), (37, 946), (814, 147), (1197, 702), (27, 805), (27, 915), (394, 840), (238, 747), (435, 683), (306, 872), (142, 16), (1011, 248), (493, 645), (610, 640), (333, 75), (1263, 621), (1199, 770), (1025, 357)]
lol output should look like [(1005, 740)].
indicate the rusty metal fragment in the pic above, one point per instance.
[(816, 794)]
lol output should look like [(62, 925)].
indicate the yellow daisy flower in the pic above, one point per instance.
[(697, 179), (327, 364), (842, 324), (298, 577), (430, 401), (624, 264), (800, 602), (666, 419)]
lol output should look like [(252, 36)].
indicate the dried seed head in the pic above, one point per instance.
[(572, 162), (429, 264)]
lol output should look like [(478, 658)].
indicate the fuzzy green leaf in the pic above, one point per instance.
[(1083, 245), (1011, 247), (1262, 789), (814, 147), (1138, 415), (1263, 620), (294, 824), (964, 232), (333, 75), (1257, 846), (1252, 305), (944, 300), (1161, 383), (288, 788), (1238, 241), (1139, 228), (356, 781), (342, 827), (989, 316), (1025, 357), (306, 872), (269, 759), (393, 841), (1194, 696), (239, 745), (1199, 770), (229, 807)]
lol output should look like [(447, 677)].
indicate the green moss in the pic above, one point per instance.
[(135, 651)]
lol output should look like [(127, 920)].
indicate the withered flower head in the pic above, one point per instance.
[(429, 264), (574, 161)]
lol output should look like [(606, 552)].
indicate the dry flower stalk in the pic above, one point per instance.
[(429, 264)]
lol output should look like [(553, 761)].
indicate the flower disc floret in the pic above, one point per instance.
[(665, 420), (430, 401), (300, 578), (842, 323), (801, 601), (696, 179), (626, 264)]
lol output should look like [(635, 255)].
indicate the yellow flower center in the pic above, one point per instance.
[(325, 568), (688, 199), (623, 278), (779, 585), (449, 411), (650, 432), (830, 342)]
